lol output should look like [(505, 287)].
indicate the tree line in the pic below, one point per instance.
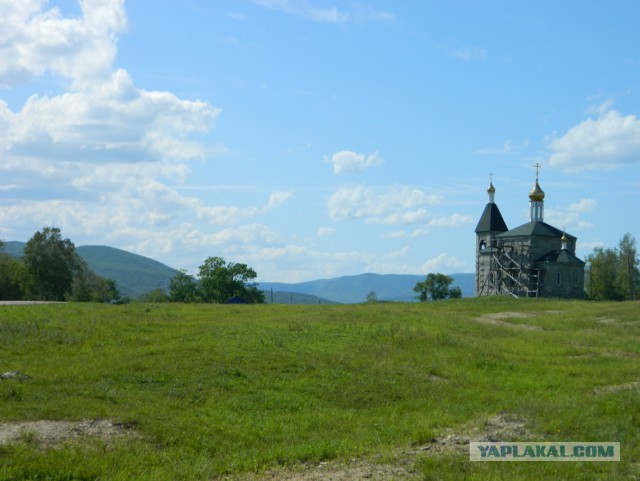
[(52, 270)]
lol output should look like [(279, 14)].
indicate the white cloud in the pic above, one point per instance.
[(34, 40), (358, 12), (588, 246), (347, 161), (392, 263), (278, 198), (326, 231), (298, 262), (398, 254), (506, 148), (443, 263), (247, 234), (304, 9), (454, 220), (397, 205), (402, 234), (607, 142), (110, 121), (104, 117), (470, 53), (585, 205), (570, 218)]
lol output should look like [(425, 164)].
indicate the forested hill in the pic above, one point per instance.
[(134, 274)]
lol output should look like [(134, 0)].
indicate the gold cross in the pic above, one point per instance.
[(537, 166)]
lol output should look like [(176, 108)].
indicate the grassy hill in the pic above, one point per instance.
[(368, 391), (134, 274)]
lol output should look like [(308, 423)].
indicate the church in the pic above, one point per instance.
[(532, 260)]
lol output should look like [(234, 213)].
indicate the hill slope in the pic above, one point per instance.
[(284, 297), (134, 274), (351, 392)]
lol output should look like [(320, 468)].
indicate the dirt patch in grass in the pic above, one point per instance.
[(614, 388), (496, 318), (403, 463), (606, 320), (501, 427), (49, 434)]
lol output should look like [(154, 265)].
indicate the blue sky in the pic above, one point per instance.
[(313, 139)]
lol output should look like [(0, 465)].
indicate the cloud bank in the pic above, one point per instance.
[(607, 142)]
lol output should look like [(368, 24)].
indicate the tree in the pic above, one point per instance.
[(601, 281), (436, 288), (183, 288), (372, 297), (156, 295), (455, 293), (613, 274), (52, 263), (87, 286), (220, 281), (13, 273), (628, 273)]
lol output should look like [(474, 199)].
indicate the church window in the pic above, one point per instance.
[(558, 279), (483, 244)]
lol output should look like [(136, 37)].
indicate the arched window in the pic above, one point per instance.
[(559, 279), (483, 244)]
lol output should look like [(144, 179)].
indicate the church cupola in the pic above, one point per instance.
[(536, 201), (491, 191)]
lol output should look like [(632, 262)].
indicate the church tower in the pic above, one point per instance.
[(491, 224), (536, 201)]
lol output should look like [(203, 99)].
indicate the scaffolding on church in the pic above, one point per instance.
[(512, 270)]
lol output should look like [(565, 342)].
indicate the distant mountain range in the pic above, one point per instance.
[(136, 275), (352, 289)]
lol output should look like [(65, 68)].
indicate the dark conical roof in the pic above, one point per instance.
[(491, 220)]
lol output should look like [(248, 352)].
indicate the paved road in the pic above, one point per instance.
[(26, 303)]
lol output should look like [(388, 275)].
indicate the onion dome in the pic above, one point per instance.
[(536, 194), (491, 188)]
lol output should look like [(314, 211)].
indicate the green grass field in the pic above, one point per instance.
[(212, 391)]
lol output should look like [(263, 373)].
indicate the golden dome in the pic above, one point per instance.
[(536, 194), (491, 188)]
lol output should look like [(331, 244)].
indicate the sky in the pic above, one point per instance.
[(315, 139)]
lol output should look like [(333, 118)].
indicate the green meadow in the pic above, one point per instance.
[(202, 392)]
